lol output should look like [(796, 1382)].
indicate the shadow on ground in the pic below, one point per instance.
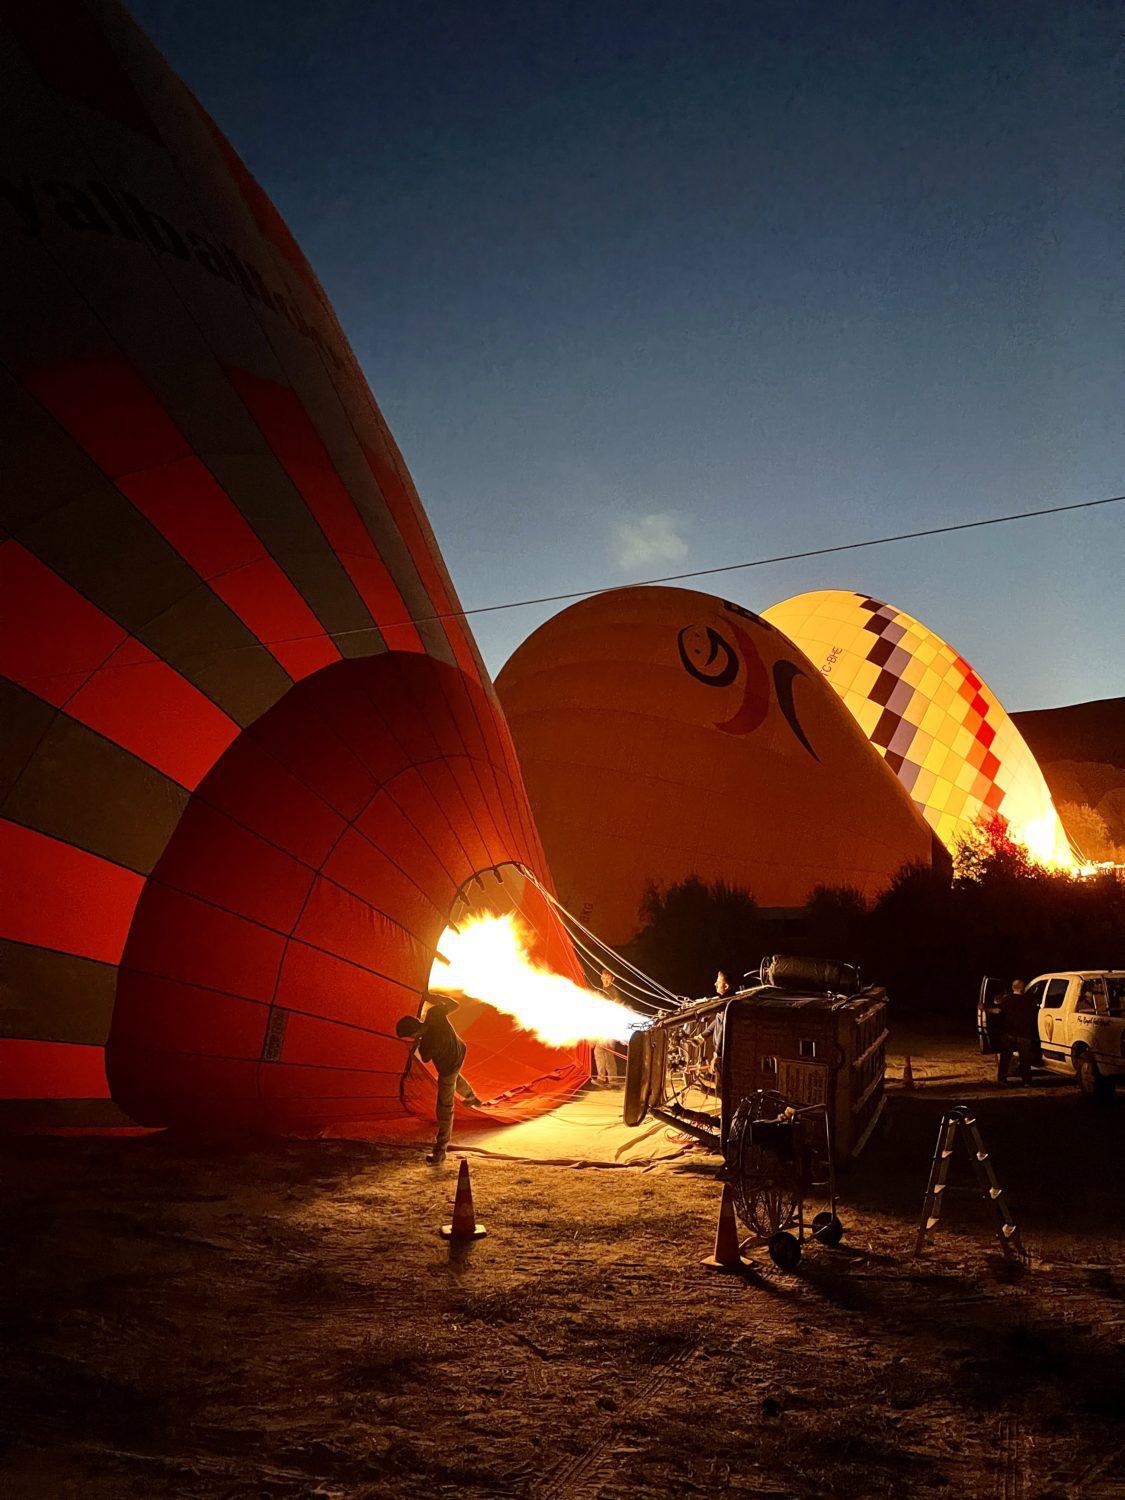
[(242, 1321), (1058, 1158)]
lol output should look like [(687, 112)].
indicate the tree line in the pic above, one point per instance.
[(927, 938)]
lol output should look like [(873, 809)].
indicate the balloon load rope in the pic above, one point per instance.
[(642, 986)]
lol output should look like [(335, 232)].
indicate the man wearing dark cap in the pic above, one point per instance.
[(436, 1041)]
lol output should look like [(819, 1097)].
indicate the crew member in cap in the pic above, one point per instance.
[(435, 1040)]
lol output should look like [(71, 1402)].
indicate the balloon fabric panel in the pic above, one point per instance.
[(931, 717), (244, 772), (665, 733)]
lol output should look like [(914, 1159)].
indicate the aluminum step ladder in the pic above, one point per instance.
[(961, 1123)]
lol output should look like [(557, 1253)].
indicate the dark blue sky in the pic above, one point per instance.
[(650, 286)]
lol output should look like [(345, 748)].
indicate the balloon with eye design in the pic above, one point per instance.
[(707, 656), (664, 733), (711, 659)]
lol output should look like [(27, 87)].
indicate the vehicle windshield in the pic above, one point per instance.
[(1115, 994)]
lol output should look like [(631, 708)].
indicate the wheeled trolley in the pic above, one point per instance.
[(776, 1153)]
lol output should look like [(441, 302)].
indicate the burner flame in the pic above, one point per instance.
[(486, 958)]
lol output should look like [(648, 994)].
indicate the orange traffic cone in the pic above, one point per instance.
[(464, 1226), (726, 1255), (907, 1074)]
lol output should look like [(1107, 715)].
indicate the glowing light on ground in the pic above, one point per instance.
[(486, 958)]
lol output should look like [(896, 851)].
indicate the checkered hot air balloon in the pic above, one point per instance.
[(936, 723)]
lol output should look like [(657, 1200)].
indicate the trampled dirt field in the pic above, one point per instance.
[(285, 1321)]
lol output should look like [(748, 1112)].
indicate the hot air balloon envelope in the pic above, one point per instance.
[(665, 733)]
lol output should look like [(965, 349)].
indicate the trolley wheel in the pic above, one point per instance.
[(785, 1250), (827, 1230)]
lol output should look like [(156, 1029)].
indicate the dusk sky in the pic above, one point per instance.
[(649, 287)]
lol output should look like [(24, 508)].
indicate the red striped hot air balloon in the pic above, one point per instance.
[(250, 761)]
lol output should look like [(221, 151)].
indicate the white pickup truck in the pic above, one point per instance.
[(1081, 1024)]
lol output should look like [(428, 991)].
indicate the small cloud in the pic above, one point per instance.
[(644, 541)]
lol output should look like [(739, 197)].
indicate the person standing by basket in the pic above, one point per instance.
[(605, 1064), (722, 990)]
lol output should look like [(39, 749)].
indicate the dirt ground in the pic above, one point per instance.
[(284, 1320)]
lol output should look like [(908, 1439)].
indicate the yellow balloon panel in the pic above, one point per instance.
[(664, 733), (937, 724)]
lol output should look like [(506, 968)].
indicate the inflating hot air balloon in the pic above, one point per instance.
[(932, 718), (247, 774), (664, 733)]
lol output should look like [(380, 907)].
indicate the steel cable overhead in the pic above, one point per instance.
[(763, 562), (588, 593)]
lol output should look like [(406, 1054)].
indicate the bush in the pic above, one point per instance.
[(693, 929)]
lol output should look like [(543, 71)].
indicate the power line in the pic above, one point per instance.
[(388, 628), (764, 562)]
